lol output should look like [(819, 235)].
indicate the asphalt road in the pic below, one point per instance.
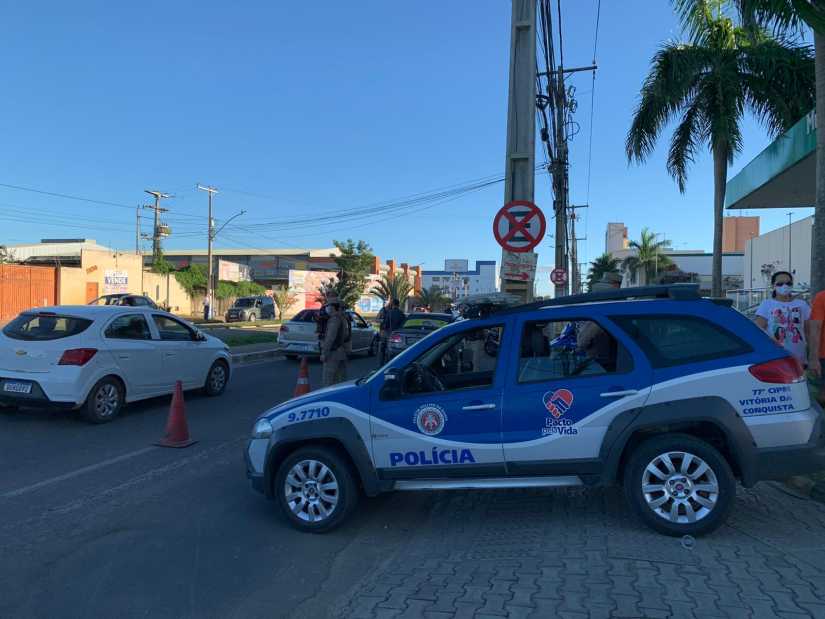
[(97, 522)]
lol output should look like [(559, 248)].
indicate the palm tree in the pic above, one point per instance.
[(347, 291), (790, 17), (601, 266), (708, 84), (392, 286), (433, 297), (649, 258)]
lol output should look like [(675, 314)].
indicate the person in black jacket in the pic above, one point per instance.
[(392, 320)]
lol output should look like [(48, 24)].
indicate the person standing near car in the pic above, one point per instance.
[(785, 318), (336, 342), (393, 319)]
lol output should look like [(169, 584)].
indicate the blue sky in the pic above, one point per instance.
[(315, 107)]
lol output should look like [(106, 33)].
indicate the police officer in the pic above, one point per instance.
[(393, 319), (336, 342)]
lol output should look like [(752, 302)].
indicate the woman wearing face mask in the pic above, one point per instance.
[(784, 318)]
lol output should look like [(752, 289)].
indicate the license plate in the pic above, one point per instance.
[(13, 387)]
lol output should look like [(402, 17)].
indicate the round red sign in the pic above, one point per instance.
[(558, 277), (519, 226)]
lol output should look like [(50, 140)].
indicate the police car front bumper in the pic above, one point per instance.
[(783, 462), (255, 457)]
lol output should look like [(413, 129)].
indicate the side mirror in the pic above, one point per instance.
[(392, 388), (199, 336)]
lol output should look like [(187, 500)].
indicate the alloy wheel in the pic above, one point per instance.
[(217, 378), (311, 491), (107, 400), (680, 487)]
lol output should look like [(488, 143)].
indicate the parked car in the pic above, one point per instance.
[(131, 300), (251, 309), (673, 396), (299, 335), (417, 326), (98, 358)]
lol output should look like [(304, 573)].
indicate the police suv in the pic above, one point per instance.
[(673, 396)]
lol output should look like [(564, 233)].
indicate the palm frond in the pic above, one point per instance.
[(675, 75)]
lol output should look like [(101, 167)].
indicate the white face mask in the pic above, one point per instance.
[(783, 289)]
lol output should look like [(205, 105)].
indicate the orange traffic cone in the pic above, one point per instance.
[(177, 432), (302, 386)]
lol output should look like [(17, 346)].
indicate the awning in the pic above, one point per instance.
[(781, 176)]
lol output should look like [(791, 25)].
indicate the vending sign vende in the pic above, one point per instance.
[(519, 226), (115, 282)]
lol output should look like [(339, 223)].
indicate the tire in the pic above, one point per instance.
[(252, 317), (216, 379), (678, 492), (309, 460), (104, 402)]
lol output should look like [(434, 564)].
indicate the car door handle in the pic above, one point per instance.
[(124, 356), (619, 394), (478, 407), (169, 354)]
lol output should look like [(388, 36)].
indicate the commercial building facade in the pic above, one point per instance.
[(458, 282)]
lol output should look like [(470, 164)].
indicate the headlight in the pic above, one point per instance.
[(262, 429)]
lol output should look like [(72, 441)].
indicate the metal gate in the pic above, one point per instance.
[(23, 287)]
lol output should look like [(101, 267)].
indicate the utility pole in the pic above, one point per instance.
[(137, 232), (156, 231), (560, 178), (210, 234), (519, 166), (575, 275)]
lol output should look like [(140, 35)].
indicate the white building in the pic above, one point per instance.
[(615, 238), (784, 249), (458, 280)]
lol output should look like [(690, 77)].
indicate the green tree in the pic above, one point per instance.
[(708, 84), (649, 258), (6, 254), (601, 266), (392, 286), (354, 264), (433, 297), (192, 279), (347, 291), (283, 298)]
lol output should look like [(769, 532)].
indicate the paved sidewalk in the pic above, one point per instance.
[(579, 553)]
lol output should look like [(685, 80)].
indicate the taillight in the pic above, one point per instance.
[(77, 356), (785, 371), (284, 329), (395, 338)]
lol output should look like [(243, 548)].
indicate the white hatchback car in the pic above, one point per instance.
[(97, 358)]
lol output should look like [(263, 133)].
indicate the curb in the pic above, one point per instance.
[(258, 355)]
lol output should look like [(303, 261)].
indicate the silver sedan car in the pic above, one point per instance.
[(299, 335)]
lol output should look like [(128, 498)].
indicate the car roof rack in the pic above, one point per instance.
[(677, 292)]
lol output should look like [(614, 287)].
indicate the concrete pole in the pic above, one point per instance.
[(519, 165), (210, 235)]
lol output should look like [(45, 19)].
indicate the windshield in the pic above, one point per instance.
[(244, 302), (42, 327)]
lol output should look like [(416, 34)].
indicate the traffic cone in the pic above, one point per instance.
[(177, 432), (302, 386)]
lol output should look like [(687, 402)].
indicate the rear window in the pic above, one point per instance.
[(244, 302), (676, 340), (43, 327), (306, 316), (424, 323)]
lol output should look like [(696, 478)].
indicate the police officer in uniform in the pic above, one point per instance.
[(336, 342)]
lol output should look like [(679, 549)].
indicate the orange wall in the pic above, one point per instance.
[(737, 231)]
